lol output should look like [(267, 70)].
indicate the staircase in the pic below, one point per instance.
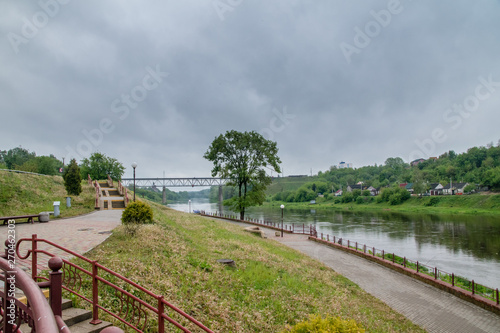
[(77, 320), (111, 198)]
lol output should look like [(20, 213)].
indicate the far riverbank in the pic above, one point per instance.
[(457, 204)]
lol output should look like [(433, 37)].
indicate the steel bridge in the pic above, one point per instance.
[(155, 183), (175, 182)]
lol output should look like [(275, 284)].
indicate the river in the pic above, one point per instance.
[(466, 245)]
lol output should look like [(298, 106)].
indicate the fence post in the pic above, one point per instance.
[(393, 258), (404, 262), (55, 298), (328, 237), (498, 300), (435, 273), (95, 295), (472, 287), (453, 279), (34, 260), (348, 243), (417, 266), (161, 320), (356, 246), (374, 251), (364, 249), (383, 255), (321, 236)]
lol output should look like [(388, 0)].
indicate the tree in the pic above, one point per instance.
[(16, 157), (73, 179), (99, 166), (242, 157)]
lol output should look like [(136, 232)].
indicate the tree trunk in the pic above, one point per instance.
[(242, 214)]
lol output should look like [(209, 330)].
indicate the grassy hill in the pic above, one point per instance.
[(271, 286), (284, 184), (31, 194)]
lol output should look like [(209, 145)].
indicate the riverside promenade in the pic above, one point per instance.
[(432, 309), (79, 234)]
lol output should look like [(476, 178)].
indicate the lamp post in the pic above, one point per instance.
[(134, 165), (282, 207), (189, 206)]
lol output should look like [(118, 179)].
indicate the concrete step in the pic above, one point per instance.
[(118, 204), (87, 327), (72, 316)]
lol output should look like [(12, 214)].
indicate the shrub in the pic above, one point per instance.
[(433, 201), (359, 200), (136, 214), (316, 324)]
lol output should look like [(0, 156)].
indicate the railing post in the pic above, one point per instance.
[(161, 320), (356, 246), (472, 287), (374, 251), (498, 300), (393, 258), (95, 295), (404, 262), (328, 237), (453, 279), (435, 273), (34, 259), (348, 243), (334, 239), (383, 255), (417, 266), (55, 298)]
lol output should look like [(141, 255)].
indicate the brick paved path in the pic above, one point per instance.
[(79, 234), (432, 309)]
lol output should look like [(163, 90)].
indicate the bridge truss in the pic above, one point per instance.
[(175, 182)]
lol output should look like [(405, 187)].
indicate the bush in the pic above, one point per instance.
[(136, 214), (433, 201), (359, 200), (316, 324)]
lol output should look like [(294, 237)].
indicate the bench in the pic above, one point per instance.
[(29, 217)]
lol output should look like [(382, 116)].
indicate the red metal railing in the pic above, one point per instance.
[(97, 195), (36, 313), (133, 303), (110, 181)]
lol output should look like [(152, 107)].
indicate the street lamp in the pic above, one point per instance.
[(134, 165), (189, 206), (282, 207)]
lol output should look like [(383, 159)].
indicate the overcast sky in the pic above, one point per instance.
[(156, 81)]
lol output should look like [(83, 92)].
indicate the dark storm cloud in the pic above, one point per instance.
[(155, 82)]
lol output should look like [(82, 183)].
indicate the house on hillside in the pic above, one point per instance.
[(361, 187), (344, 165), (409, 188), (417, 161), (454, 188), (338, 193), (435, 189)]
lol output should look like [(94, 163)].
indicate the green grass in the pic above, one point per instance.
[(22, 194), (288, 184), (272, 286)]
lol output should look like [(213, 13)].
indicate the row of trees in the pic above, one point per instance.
[(24, 160), (98, 165)]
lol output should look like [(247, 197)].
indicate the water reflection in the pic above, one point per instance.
[(466, 245)]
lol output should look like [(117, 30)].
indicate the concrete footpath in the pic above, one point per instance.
[(432, 309)]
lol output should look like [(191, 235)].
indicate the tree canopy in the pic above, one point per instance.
[(99, 166), (242, 157)]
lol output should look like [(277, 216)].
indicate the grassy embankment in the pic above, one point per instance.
[(22, 194), (272, 285), (457, 204)]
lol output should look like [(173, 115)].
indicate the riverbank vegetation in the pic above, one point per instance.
[(272, 286), (456, 204)]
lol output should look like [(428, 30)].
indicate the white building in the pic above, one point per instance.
[(344, 165)]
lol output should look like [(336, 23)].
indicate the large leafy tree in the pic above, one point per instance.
[(99, 166), (242, 157)]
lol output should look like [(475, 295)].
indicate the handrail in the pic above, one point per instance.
[(486, 294), (37, 313), (110, 181), (135, 307), (97, 194)]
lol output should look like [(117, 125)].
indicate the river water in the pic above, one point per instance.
[(468, 246)]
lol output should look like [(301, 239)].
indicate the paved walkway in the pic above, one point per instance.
[(426, 306), (78, 234)]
